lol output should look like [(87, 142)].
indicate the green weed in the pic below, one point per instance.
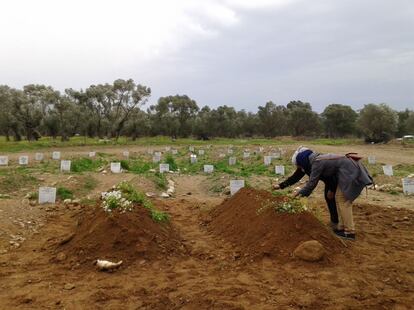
[(85, 164), (64, 193)]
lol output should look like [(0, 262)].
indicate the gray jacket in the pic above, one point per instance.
[(352, 176)]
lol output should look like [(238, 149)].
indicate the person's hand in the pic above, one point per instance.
[(276, 186)]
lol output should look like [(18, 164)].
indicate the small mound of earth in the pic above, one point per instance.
[(120, 236), (267, 233)]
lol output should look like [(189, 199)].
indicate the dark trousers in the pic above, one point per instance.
[(333, 212)]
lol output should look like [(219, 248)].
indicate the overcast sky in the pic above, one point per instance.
[(241, 53)]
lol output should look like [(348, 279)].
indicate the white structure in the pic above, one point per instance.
[(208, 168), (267, 160), (408, 186), (56, 155), (193, 158), (65, 165), (47, 195), (235, 186), (164, 168), (125, 154), (116, 167), (200, 152), (372, 160), (280, 170), (92, 154), (232, 161), (4, 160), (23, 160), (39, 156), (388, 170)]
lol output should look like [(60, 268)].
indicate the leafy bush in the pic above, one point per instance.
[(171, 161), (85, 164), (64, 193)]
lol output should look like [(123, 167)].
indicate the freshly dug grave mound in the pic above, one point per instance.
[(265, 232), (120, 236)]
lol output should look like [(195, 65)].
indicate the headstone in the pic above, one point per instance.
[(174, 152), (372, 160), (23, 160), (232, 161), (125, 154), (222, 155), (388, 170), (65, 165), (208, 168), (246, 154), (280, 170), (235, 186), (47, 195), (150, 152), (267, 160), (408, 186), (39, 156), (92, 154), (191, 148), (164, 168), (275, 155), (56, 155), (4, 160), (168, 148), (260, 149), (200, 152), (156, 158), (116, 167), (158, 154), (229, 151), (193, 158)]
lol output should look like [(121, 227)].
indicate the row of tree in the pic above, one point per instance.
[(112, 110)]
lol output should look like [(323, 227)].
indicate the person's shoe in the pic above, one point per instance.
[(334, 226), (345, 235)]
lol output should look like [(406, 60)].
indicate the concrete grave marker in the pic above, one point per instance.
[(150, 152), (125, 154), (116, 167), (4, 160), (56, 155), (191, 148), (372, 160), (275, 155), (232, 161), (229, 151), (208, 168), (267, 160), (168, 148), (193, 158), (156, 158), (65, 165), (39, 156), (280, 170), (388, 170), (92, 154), (23, 160), (200, 152), (222, 155), (47, 195), (260, 149), (235, 186), (246, 154), (408, 186), (164, 168), (174, 152)]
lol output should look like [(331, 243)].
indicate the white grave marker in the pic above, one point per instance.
[(246, 154), (193, 158), (408, 186), (23, 160), (65, 165), (174, 152), (372, 160), (168, 148), (4, 160), (280, 170), (232, 161), (156, 158), (222, 155), (116, 167), (56, 155), (267, 160), (388, 170), (229, 151), (92, 154), (275, 155), (260, 149), (47, 195), (125, 154), (150, 152), (39, 156), (191, 148), (235, 186), (164, 168), (208, 168), (200, 152)]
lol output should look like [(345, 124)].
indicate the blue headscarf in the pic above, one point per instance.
[(302, 160)]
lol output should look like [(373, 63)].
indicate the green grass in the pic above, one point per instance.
[(86, 164), (160, 180), (12, 180), (64, 193), (169, 159)]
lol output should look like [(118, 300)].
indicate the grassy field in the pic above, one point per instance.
[(48, 142)]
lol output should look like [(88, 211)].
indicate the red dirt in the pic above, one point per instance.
[(268, 233), (120, 236)]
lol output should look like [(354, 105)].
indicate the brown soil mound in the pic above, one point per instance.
[(268, 233), (121, 236)]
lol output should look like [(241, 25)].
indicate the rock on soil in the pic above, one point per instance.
[(267, 233), (311, 251)]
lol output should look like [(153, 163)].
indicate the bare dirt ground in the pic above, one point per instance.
[(375, 272)]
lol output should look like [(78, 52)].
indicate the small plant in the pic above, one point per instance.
[(160, 180), (114, 200), (64, 193), (33, 195), (288, 205), (85, 164), (171, 161)]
